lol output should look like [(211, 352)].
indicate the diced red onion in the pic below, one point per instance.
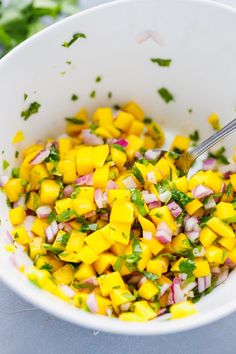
[(175, 209), (108, 311), (138, 155), (182, 276), (152, 154), (165, 196), (20, 202), (43, 211), (8, 237), (121, 142), (91, 302), (111, 185), (177, 292), (201, 191), (215, 269), (190, 223), (151, 177), (192, 235), (229, 263), (189, 287), (154, 205), (84, 180), (147, 235), (210, 204), (91, 280), (224, 272), (104, 216), (98, 197), (163, 288), (163, 233), (222, 190), (209, 164), (135, 278), (68, 190), (141, 282), (51, 232), (28, 222), (149, 198), (129, 182), (40, 157), (199, 253), (208, 281), (67, 291), (91, 139), (201, 284), (3, 180), (231, 167), (125, 307)]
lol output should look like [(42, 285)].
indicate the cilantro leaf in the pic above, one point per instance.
[(65, 215), (32, 109), (88, 227), (194, 137), (137, 174), (75, 193), (180, 197), (219, 156), (187, 266), (74, 97), (118, 147), (161, 62), (50, 248), (73, 39), (118, 264), (150, 276), (98, 79), (75, 120), (229, 190), (47, 266), (93, 94), (204, 220), (136, 198), (52, 216), (5, 164), (165, 95)]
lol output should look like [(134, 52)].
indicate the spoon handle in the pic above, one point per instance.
[(213, 139)]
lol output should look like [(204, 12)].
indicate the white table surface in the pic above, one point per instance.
[(25, 329)]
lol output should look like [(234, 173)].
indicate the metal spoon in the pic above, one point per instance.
[(186, 159)]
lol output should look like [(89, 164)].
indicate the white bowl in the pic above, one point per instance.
[(199, 37)]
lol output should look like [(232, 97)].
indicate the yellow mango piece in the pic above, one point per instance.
[(224, 211), (143, 309), (213, 181), (146, 256), (69, 256), (85, 271), (181, 184), (183, 309), (181, 243), (103, 116), (158, 265), (36, 247), (120, 296), (103, 304), (134, 109), (228, 243), (214, 121), (215, 254), (146, 224), (120, 232), (220, 228), (84, 160), (193, 206), (136, 128), (86, 193), (83, 206), (82, 117), (39, 227), (20, 235), (103, 132), (122, 213), (156, 133), (207, 236), (233, 181), (17, 216), (118, 248), (104, 262), (107, 282), (181, 143), (149, 142), (100, 154), (18, 137), (101, 176), (61, 240), (232, 255), (63, 204), (97, 242), (115, 133), (87, 255), (76, 241), (65, 145), (50, 263), (14, 189), (65, 274), (147, 290), (202, 268), (37, 174), (163, 214), (134, 144), (118, 157), (49, 191), (68, 170), (130, 317), (154, 245), (120, 195), (123, 121), (33, 202)]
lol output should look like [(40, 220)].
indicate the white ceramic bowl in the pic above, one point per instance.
[(199, 37)]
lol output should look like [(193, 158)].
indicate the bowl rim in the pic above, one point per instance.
[(65, 311)]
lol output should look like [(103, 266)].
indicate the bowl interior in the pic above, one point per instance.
[(122, 37)]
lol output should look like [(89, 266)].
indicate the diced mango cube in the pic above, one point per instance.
[(87, 255), (122, 213), (100, 154), (215, 254), (108, 282), (147, 290), (220, 228), (183, 309), (76, 241), (85, 271), (49, 191), (68, 170), (134, 144), (98, 242), (134, 109), (20, 235), (84, 160), (14, 189), (224, 211), (181, 143), (202, 268), (143, 309), (17, 215), (65, 274), (123, 121), (104, 262), (101, 176), (207, 236), (39, 227), (193, 206)]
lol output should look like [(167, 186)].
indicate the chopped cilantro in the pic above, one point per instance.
[(219, 156), (163, 186), (147, 120), (52, 216), (137, 174), (161, 62), (190, 110), (150, 276), (118, 264), (32, 109), (75, 120), (230, 220), (50, 248), (78, 285), (65, 215), (98, 79), (173, 155), (187, 266), (47, 266), (8, 203), (74, 97), (15, 172), (16, 154), (68, 62), (165, 94), (54, 155), (215, 195), (73, 39), (229, 190), (5, 164), (116, 107), (109, 95), (63, 239), (118, 147), (180, 197), (75, 193), (194, 136), (93, 94), (88, 227), (136, 198), (25, 96), (204, 220)]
